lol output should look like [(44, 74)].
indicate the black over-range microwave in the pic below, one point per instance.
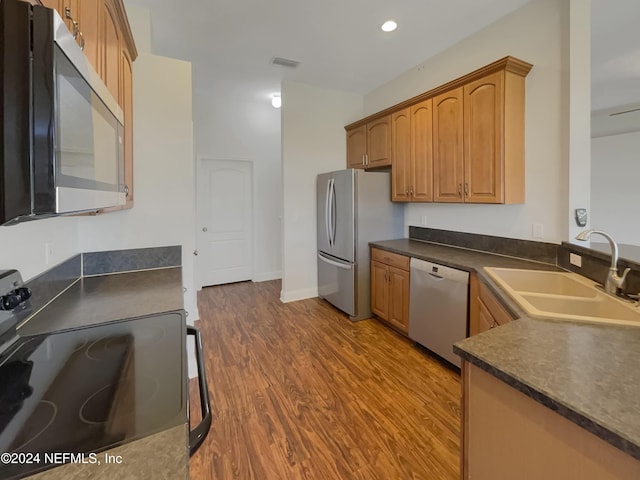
[(61, 129)]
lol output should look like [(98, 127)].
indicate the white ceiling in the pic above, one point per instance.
[(340, 46), (338, 42)]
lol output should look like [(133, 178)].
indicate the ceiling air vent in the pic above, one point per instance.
[(284, 62)]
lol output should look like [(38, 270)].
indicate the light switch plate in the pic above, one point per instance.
[(581, 217)]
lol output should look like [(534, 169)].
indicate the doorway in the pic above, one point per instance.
[(225, 216)]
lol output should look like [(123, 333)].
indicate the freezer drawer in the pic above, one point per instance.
[(336, 283)]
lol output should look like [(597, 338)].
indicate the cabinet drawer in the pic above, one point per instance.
[(497, 311), (389, 258)]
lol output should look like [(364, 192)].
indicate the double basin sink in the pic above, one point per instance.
[(564, 295)]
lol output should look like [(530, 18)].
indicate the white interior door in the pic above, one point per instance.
[(225, 211)]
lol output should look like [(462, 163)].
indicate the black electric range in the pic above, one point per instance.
[(91, 389)]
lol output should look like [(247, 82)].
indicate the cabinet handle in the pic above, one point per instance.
[(76, 26), (460, 190), (466, 189), (407, 192), (366, 159), (411, 190), (126, 190), (81, 41)]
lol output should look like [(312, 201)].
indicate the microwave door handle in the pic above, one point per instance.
[(327, 210)]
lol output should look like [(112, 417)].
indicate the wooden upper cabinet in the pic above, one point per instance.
[(422, 151), (88, 14), (369, 146), (127, 108), (401, 156), (379, 142), (466, 139), (111, 56), (356, 147), (448, 163), (483, 139)]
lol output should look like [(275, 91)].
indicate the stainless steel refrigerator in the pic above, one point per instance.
[(354, 208)]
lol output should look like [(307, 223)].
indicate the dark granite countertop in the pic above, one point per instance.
[(584, 372), (93, 300), (106, 298)]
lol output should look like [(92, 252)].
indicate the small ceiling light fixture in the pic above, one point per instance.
[(276, 100), (389, 26)]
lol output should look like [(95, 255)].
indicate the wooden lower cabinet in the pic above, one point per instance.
[(506, 434), (485, 310), (390, 288)]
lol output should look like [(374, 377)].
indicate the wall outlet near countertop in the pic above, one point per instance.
[(538, 230), (423, 220), (575, 259)]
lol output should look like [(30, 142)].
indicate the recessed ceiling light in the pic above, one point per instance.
[(276, 100), (389, 26)]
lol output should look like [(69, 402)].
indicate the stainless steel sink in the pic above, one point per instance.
[(563, 295)]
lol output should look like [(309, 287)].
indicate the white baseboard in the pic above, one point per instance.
[(295, 295), (266, 276)]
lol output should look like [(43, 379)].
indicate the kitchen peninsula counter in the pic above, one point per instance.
[(585, 372)]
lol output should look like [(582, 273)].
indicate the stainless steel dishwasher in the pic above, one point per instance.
[(438, 307)]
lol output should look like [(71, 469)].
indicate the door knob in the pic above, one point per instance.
[(204, 229)]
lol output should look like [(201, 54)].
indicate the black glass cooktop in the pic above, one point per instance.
[(90, 389)]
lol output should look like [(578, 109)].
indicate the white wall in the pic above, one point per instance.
[(231, 129), (313, 142), (615, 172), (579, 113), (23, 246), (164, 196), (536, 33)]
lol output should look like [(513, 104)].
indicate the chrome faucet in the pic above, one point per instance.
[(614, 281)]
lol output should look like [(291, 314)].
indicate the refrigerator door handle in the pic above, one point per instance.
[(333, 212), (327, 211), (346, 266)]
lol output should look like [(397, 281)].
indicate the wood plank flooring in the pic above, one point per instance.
[(300, 392)]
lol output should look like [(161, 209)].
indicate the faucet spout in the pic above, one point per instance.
[(614, 281)]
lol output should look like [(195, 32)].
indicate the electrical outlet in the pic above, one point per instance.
[(423, 220), (538, 230), (575, 260)]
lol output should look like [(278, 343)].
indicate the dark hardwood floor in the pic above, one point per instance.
[(300, 392)]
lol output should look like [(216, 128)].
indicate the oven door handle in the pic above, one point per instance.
[(198, 434)]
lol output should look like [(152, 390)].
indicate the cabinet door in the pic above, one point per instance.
[(399, 298), (401, 156), (356, 147), (88, 18), (379, 142), (485, 319), (422, 151), (127, 108), (483, 139), (379, 290), (110, 42), (448, 162)]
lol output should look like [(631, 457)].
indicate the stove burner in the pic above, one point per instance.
[(44, 414), (96, 410), (107, 344)]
